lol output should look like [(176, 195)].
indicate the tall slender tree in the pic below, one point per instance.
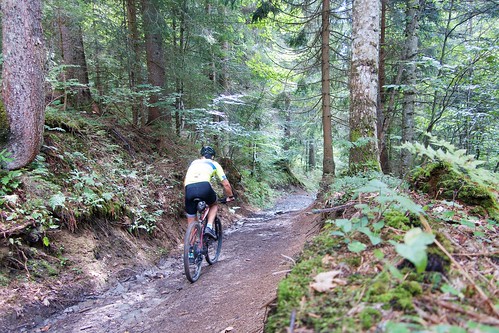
[(364, 153), (23, 78), (328, 158), (409, 78)]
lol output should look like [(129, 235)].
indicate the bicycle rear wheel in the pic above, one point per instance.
[(192, 245), (213, 247)]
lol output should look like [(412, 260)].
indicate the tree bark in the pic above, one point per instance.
[(155, 57), (409, 79), (364, 154), (328, 159), (134, 44), (383, 118), (23, 78)]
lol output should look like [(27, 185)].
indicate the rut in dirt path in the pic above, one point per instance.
[(230, 296)]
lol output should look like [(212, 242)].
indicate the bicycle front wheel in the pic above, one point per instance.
[(213, 247), (193, 253)]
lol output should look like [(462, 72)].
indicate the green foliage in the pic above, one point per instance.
[(4, 124), (263, 11), (143, 220), (450, 173), (414, 248), (348, 229), (9, 180), (397, 219), (4, 280), (369, 317), (384, 204), (393, 294), (466, 166)]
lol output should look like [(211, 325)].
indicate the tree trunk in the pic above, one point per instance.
[(155, 57), (328, 159), (73, 55), (23, 79), (409, 79), (287, 122), (364, 154), (134, 45), (383, 118), (179, 60), (311, 155)]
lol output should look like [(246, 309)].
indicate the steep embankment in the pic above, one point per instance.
[(101, 203)]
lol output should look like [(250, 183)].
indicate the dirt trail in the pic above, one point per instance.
[(233, 293)]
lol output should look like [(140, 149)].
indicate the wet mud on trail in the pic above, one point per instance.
[(232, 295)]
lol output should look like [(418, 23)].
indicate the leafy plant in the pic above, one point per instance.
[(414, 247), (9, 179), (143, 220), (381, 200), (348, 228)]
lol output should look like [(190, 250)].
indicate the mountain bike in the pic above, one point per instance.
[(198, 245)]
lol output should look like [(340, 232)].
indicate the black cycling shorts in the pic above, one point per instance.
[(203, 191)]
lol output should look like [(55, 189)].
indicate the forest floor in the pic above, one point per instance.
[(233, 295)]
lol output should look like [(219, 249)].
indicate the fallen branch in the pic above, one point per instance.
[(484, 319), (481, 254), (332, 209)]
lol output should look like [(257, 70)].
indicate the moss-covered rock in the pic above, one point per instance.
[(440, 180)]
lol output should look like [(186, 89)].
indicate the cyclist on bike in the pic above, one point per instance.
[(198, 185)]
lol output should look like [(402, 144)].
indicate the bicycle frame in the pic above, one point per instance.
[(197, 246), (202, 216)]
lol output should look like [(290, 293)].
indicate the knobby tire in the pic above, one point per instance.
[(193, 238), (214, 246)]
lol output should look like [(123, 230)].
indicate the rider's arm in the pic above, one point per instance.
[(225, 183), (228, 190)]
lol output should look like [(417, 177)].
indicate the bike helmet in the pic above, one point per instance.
[(208, 152)]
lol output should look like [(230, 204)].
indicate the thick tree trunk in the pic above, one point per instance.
[(73, 55), (328, 159), (155, 57), (364, 154), (134, 44), (23, 78), (409, 79)]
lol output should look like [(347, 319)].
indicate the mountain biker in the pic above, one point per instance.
[(197, 184)]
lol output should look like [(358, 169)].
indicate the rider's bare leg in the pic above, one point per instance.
[(212, 213)]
